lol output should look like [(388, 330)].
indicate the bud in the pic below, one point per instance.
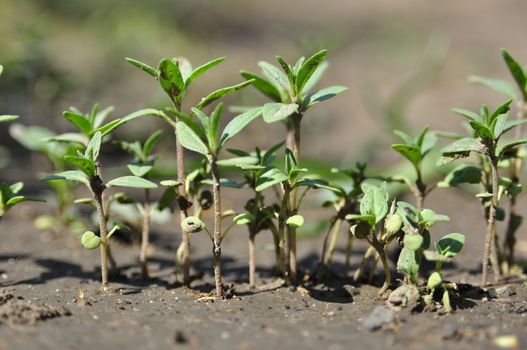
[(393, 223), (360, 230), (192, 224)]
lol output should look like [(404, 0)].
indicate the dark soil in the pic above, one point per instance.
[(50, 275)]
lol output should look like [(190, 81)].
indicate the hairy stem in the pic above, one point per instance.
[(217, 227), (143, 258), (97, 187)]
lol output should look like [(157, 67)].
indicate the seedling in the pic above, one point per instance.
[(373, 210), (520, 77), (258, 217), (141, 166), (415, 149), (175, 77), (289, 89), (88, 173), (287, 215), (486, 140), (446, 249), (204, 138)]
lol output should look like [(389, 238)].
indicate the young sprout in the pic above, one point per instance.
[(446, 249), (175, 77), (204, 138), (141, 166), (290, 89), (287, 215), (373, 210), (487, 141), (258, 217), (415, 149), (88, 173), (520, 77)]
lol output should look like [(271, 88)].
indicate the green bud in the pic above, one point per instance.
[(192, 224), (434, 281), (90, 240), (360, 230), (393, 223), (295, 221)]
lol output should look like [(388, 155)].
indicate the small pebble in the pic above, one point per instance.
[(377, 318)]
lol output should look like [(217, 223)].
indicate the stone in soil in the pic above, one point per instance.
[(379, 317)]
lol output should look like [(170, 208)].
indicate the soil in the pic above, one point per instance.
[(46, 275)]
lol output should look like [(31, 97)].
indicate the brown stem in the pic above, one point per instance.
[(291, 240), (143, 258), (217, 227), (282, 217), (252, 260), (387, 273), (490, 234)]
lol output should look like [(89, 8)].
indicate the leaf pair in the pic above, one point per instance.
[(415, 149), (203, 137)]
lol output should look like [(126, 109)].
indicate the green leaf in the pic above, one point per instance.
[(463, 147), (516, 71), (322, 95), (243, 219), (223, 183), (375, 201), (151, 142), (70, 137), (499, 125), (464, 173), (502, 109), (451, 244), (270, 178), (467, 114), (101, 116), (262, 85), (220, 93), (287, 69), (171, 79), (71, 175), (90, 240), (238, 123), (412, 153), (189, 139), (481, 130), (94, 147), (315, 77), (428, 218), (7, 118), (202, 69), (139, 169), (131, 181), (407, 139), (273, 112), (143, 66), (413, 242), (87, 166), (277, 78), (295, 221), (16, 187), (214, 126), (370, 219), (511, 124), (498, 85), (319, 184), (19, 199), (308, 68), (79, 121), (503, 148), (112, 125)]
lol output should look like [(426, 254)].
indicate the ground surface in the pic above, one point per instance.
[(53, 270)]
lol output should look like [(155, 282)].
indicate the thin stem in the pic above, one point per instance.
[(326, 239), (217, 227), (143, 258), (360, 270), (490, 234), (333, 243), (252, 260), (97, 187), (349, 247)]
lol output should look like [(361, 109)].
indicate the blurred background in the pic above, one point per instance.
[(406, 62)]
